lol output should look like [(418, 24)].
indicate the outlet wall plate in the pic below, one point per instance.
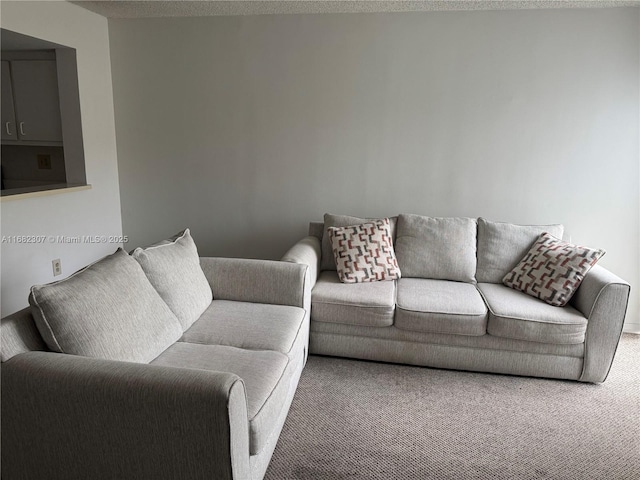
[(57, 267), (44, 162)]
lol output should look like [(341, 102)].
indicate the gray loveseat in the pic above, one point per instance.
[(113, 374), (450, 308)]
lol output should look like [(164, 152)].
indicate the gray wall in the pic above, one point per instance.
[(89, 212), (247, 128)]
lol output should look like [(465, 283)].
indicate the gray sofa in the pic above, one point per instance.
[(450, 308), (158, 396)]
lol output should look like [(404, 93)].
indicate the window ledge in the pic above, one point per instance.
[(20, 193)]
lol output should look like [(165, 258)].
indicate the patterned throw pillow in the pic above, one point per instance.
[(552, 270), (364, 253)]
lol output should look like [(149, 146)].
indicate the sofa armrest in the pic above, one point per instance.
[(257, 281), (307, 251), (65, 416), (19, 334), (602, 297)]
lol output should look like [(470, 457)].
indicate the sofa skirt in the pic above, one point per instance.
[(446, 356)]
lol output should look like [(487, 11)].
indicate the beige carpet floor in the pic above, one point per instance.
[(356, 420)]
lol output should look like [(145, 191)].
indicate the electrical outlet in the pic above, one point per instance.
[(57, 267), (44, 162)]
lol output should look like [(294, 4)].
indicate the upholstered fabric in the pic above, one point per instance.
[(260, 461), (602, 298), (258, 281), (364, 253), (501, 246), (437, 248), (447, 356), (316, 229), (19, 334), (185, 415), (261, 371), (552, 270), (254, 326), (440, 306), (72, 417), (173, 268), (489, 342), (107, 310), (513, 314), (307, 252), (327, 262), (369, 304)]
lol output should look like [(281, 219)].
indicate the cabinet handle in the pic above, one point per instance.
[(22, 129), (6, 126)]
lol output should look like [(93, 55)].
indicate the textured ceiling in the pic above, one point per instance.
[(187, 8)]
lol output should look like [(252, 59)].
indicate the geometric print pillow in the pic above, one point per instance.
[(552, 270), (364, 253)]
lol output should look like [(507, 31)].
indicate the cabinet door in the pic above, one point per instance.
[(37, 105), (8, 112)]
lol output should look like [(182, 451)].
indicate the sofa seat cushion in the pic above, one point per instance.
[(369, 304), (513, 314), (440, 306), (252, 326), (106, 310), (262, 371)]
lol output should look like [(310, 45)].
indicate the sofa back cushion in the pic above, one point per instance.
[(437, 248), (316, 229), (501, 246), (106, 310), (173, 268), (328, 262)]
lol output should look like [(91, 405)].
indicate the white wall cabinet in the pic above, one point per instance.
[(30, 102)]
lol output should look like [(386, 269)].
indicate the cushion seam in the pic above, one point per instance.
[(256, 349), (460, 346), (249, 349), (78, 272), (354, 324), (354, 305), (533, 341), (272, 390), (151, 247), (442, 313), (518, 319), (46, 323), (439, 332)]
